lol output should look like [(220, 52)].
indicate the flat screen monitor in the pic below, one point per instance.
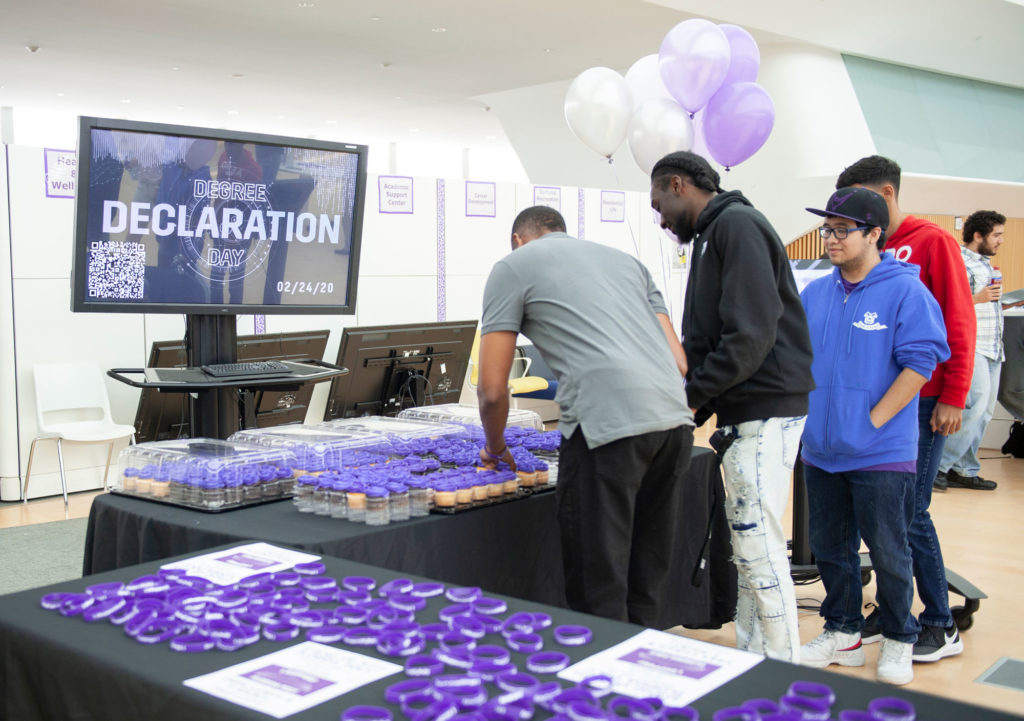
[(392, 367), (172, 219), (165, 416)]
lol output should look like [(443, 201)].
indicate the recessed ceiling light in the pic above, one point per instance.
[(547, 50), (126, 100), (492, 137), (175, 68), (179, 107), (281, 117), (238, 75), (438, 30), (306, 5), (232, 112), (375, 18), (332, 122), (414, 130), (60, 95)]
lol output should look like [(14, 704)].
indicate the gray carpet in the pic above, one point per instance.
[(41, 554)]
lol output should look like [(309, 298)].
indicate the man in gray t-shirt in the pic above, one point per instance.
[(601, 325)]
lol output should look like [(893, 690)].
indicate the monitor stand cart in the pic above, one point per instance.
[(217, 407), (802, 560)]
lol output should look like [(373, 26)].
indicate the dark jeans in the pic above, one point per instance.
[(877, 505), (929, 569), (618, 514)]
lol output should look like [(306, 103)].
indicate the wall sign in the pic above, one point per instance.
[(546, 195), (481, 200), (613, 206), (61, 172), (395, 194)]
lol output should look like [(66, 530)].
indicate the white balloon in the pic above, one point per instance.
[(597, 108), (658, 127), (644, 81)]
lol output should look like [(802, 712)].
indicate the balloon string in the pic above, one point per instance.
[(666, 263), (632, 235)]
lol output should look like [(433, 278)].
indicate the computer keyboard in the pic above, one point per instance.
[(247, 369)]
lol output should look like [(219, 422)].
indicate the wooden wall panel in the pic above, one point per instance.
[(1009, 259)]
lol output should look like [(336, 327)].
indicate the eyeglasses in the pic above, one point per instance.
[(841, 232)]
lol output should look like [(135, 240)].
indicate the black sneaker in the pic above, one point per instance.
[(940, 485), (935, 643), (977, 483), (872, 631)]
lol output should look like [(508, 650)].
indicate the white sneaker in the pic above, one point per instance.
[(830, 647), (895, 665)]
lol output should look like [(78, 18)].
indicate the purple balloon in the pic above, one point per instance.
[(744, 58), (737, 122), (693, 61)]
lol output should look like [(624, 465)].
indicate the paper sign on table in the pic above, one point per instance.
[(673, 668), (231, 566), (294, 679)]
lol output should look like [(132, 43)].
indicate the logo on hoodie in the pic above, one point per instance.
[(870, 322)]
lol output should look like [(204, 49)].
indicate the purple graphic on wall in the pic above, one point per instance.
[(442, 277), (259, 323), (289, 680), (650, 658), (581, 214), (613, 206), (60, 172), (481, 199)]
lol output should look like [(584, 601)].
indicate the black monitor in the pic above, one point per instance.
[(392, 367), (165, 416), (172, 219)]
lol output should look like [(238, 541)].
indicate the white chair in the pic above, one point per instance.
[(72, 406)]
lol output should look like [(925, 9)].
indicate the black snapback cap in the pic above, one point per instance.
[(857, 204)]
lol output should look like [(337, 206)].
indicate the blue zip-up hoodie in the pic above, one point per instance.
[(861, 344)]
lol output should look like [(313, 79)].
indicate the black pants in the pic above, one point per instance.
[(618, 510)]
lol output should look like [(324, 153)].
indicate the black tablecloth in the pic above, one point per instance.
[(511, 548), (53, 667)]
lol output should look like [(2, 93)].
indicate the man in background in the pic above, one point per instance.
[(749, 353), (601, 325), (959, 467), (940, 411)]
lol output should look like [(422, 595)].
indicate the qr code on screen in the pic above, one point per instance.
[(116, 270)]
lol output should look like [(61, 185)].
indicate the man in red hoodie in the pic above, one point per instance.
[(940, 410)]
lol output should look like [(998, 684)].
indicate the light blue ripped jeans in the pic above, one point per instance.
[(758, 470)]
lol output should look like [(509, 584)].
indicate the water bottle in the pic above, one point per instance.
[(997, 279)]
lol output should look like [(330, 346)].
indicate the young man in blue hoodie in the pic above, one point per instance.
[(877, 335)]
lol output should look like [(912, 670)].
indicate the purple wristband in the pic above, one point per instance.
[(434, 631), (517, 622), (573, 635), (811, 709), (423, 665), (547, 662), (361, 636), (407, 601), (427, 589), (489, 652), (397, 585), (447, 613), (359, 583), (397, 692), (396, 643), (464, 594), (468, 626), (53, 601), (286, 578), (366, 713), (517, 683), (192, 643), (816, 691), (631, 708), (327, 634), (351, 615), (585, 711), (679, 713), (456, 640), (103, 609), (490, 606), (280, 632), (524, 642), (598, 685), (890, 708), (313, 568)]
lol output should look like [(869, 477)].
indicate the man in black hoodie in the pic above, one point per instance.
[(749, 354)]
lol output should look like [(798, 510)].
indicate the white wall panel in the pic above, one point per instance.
[(42, 228), (474, 244), (400, 299), (398, 243), (8, 395)]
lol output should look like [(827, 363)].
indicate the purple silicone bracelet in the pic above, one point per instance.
[(524, 642), (326, 634), (366, 713), (631, 708), (359, 583), (573, 635), (469, 626), (351, 615), (53, 601), (407, 601), (598, 685), (585, 711), (455, 640), (313, 568), (517, 622), (104, 609), (816, 691), (397, 585), (856, 715), (547, 662), (361, 636), (192, 643), (396, 643), (423, 665), (490, 652), (397, 692), (890, 708), (490, 606), (427, 589), (810, 709), (679, 713), (286, 578), (464, 594), (280, 632)]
